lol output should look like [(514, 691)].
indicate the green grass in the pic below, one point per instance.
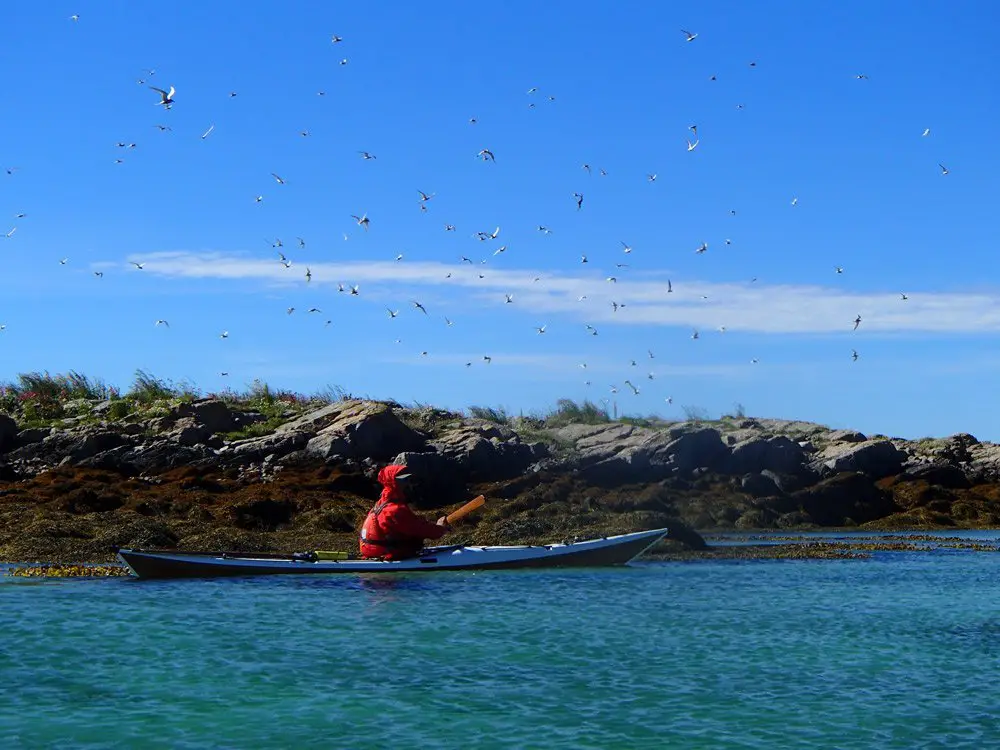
[(569, 412), (490, 414)]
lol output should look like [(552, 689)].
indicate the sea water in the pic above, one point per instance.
[(899, 650)]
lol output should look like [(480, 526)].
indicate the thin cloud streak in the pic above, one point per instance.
[(695, 304)]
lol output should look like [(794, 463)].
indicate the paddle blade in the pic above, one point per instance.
[(466, 509)]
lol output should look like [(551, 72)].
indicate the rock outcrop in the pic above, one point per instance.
[(208, 471)]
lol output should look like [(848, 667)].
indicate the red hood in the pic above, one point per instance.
[(387, 478)]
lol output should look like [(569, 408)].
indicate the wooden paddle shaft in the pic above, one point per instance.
[(466, 509)]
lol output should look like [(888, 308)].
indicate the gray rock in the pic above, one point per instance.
[(845, 436), (252, 450), (8, 433), (33, 435), (93, 443), (876, 458), (188, 431), (759, 485), (942, 474), (483, 451), (777, 453), (363, 429), (214, 415)]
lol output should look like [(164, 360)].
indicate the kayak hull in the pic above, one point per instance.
[(613, 550)]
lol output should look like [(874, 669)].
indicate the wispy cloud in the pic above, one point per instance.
[(749, 307)]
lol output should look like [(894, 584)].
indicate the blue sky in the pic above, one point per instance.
[(801, 168)]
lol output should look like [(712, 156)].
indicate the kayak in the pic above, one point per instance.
[(612, 550)]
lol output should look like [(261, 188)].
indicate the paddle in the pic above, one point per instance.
[(474, 504)]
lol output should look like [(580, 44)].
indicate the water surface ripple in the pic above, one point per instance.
[(895, 651)]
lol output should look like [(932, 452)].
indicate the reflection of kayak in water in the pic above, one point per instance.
[(612, 550)]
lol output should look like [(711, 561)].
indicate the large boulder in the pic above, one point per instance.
[(32, 435), (694, 449), (845, 436), (8, 433), (214, 415), (876, 458), (363, 429), (621, 453), (779, 453), (484, 451)]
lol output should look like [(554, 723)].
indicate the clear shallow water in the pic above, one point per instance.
[(897, 651)]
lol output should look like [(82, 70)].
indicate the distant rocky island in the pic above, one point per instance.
[(85, 468)]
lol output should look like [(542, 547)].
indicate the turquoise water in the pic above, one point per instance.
[(896, 651)]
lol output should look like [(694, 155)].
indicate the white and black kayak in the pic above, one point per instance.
[(612, 550)]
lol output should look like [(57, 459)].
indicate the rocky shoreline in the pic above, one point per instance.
[(288, 475)]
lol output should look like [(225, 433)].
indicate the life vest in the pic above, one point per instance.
[(372, 532)]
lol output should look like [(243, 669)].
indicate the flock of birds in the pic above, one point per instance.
[(167, 98)]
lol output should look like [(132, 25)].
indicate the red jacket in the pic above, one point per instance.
[(392, 531)]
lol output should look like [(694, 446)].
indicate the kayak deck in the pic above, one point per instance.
[(612, 550)]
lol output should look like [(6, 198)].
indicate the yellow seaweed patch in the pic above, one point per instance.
[(68, 571)]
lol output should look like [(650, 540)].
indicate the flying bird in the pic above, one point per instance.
[(366, 156), (701, 248), (579, 200), (166, 97), (277, 179), (854, 354), (857, 322), (903, 297), (419, 307), (362, 220), (693, 146), (690, 37), (138, 266), (486, 155), (625, 248), (162, 323), (944, 169), (208, 132)]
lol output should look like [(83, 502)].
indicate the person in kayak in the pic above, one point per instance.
[(391, 530)]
